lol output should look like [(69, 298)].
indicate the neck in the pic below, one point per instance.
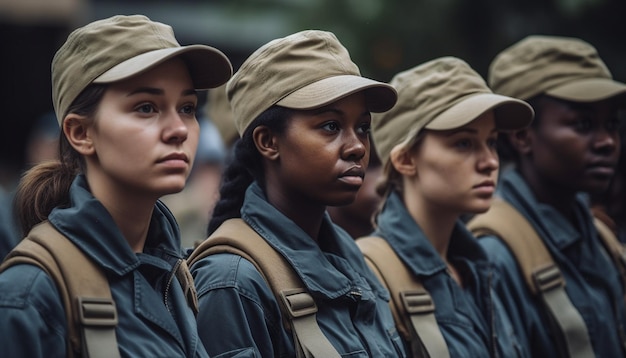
[(133, 223), (131, 213), (307, 217), (355, 226), (437, 223), (550, 193)]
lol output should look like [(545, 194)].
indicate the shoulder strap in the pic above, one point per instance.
[(613, 246), (411, 305), (89, 308), (543, 277), (185, 279), (236, 237)]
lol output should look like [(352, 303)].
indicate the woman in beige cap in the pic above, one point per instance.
[(577, 307), (303, 112), (124, 92), (438, 148)]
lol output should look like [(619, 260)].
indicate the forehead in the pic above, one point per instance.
[(171, 73), (610, 104), (552, 110)]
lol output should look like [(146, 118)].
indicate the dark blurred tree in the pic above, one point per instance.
[(388, 36)]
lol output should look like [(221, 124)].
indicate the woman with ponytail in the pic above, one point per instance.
[(124, 93), (303, 112)]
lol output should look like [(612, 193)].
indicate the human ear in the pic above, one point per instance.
[(266, 142), (521, 141), (77, 133), (403, 160)]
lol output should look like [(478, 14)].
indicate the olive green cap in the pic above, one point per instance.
[(305, 70), (119, 47), (442, 94), (561, 67)]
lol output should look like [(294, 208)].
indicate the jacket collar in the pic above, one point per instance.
[(396, 225), (552, 226), (88, 224), (326, 274)]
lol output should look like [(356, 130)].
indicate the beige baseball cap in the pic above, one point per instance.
[(561, 67), (218, 110), (120, 47), (303, 71), (442, 94)]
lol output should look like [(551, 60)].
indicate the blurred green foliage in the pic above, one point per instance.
[(388, 36)]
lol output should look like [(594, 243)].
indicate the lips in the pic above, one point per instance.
[(486, 184), (174, 156), (601, 167), (602, 170), (353, 176), (485, 189)]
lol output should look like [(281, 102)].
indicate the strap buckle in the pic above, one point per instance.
[(298, 302), (548, 278), (98, 312), (417, 302)]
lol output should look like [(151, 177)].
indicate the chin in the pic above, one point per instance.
[(596, 187), (480, 210), (347, 200), (172, 188), (480, 207)]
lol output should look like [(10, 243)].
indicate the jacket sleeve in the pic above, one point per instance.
[(238, 315), (527, 317), (33, 317)]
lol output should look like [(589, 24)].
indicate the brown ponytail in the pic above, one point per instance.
[(46, 185)]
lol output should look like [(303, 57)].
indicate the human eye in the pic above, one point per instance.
[(493, 142), (583, 124), (189, 109), (331, 126), (145, 108), (463, 144), (364, 128), (613, 124)]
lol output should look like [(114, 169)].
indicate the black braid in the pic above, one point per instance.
[(245, 167)]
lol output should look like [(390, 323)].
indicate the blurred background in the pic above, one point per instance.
[(383, 37)]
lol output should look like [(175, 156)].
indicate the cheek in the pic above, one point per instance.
[(192, 145), (133, 147), (561, 154), (312, 157), (435, 177)]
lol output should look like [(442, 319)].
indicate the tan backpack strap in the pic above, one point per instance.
[(89, 308), (613, 246), (411, 305), (543, 277), (297, 305), (185, 279)]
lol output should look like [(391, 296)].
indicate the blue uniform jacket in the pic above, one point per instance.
[(240, 317), (471, 318), (33, 320), (592, 282)]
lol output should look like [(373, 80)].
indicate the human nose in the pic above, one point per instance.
[(488, 160), (176, 129), (355, 146), (605, 140)]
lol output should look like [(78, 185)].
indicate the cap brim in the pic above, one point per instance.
[(208, 66), (588, 90), (511, 114), (380, 97)]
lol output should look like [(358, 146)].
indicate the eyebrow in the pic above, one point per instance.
[(160, 92)]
